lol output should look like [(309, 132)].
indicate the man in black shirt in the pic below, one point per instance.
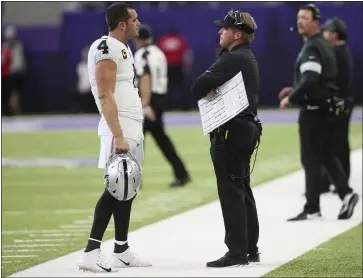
[(233, 143), (315, 91), (335, 32)]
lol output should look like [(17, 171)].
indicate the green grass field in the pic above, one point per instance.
[(57, 199), (339, 257)]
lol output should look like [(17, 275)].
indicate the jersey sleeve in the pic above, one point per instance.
[(141, 64), (107, 50), (310, 70), (311, 61)]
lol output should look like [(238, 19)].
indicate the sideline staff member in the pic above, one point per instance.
[(314, 90), (233, 143), (335, 32)]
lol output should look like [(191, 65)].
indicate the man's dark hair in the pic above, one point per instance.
[(315, 12), (117, 13)]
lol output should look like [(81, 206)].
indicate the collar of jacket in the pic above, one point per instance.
[(239, 46)]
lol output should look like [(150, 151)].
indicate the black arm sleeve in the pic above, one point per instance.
[(221, 71), (305, 86), (310, 70)]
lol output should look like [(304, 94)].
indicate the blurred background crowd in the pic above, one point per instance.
[(45, 44)]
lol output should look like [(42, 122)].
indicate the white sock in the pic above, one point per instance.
[(120, 242)]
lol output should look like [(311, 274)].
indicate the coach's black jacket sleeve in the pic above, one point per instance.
[(310, 70), (221, 71)]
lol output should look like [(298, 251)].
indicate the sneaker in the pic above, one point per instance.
[(180, 182), (306, 216), (93, 261), (349, 202), (254, 258), (227, 261), (127, 259)]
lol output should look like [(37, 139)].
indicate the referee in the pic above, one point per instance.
[(233, 143), (151, 71), (335, 32), (314, 91)]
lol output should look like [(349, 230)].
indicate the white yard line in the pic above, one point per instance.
[(40, 240), (19, 256), (58, 211), (14, 232), (181, 245), (33, 245), (27, 250), (61, 235)]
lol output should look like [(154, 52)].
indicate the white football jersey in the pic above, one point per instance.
[(152, 60), (126, 93)]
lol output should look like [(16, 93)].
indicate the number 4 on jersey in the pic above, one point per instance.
[(103, 46)]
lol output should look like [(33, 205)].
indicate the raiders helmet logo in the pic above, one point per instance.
[(124, 54)]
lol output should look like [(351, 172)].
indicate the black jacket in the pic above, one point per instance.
[(345, 70), (239, 58), (315, 73)]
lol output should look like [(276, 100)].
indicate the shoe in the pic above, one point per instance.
[(227, 261), (306, 216), (349, 202), (180, 182), (254, 258), (94, 262), (127, 259)]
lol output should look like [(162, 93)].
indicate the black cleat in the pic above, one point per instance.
[(254, 258), (226, 261), (306, 216), (349, 202), (180, 182)]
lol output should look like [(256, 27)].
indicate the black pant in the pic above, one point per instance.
[(178, 96), (231, 153), (156, 128), (341, 143), (317, 151)]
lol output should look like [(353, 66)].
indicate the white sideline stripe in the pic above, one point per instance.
[(168, 244), (10, 262), (20, 256), (40, 240)]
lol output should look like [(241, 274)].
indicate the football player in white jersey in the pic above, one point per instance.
[(112, 76), (151, 71)]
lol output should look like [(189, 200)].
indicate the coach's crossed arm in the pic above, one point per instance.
[(106, 82)]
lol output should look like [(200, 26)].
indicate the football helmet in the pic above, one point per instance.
[(122, 176)]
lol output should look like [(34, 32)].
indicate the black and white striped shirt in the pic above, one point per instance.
[(151, 60)]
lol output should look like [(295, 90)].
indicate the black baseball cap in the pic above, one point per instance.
[(234, 19), (336, 25), (145, 32)]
